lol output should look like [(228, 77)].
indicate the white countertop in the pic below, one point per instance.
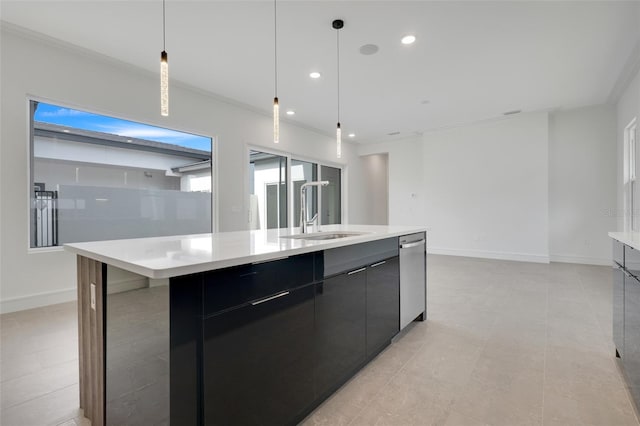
[(629, 238), (165, 257)]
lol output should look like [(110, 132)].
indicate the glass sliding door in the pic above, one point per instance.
[(267, 190), (301, 172), (331, 196)]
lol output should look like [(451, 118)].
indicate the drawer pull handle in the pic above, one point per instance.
[(284, 293), (414, 244), (356, 271), (249, 273), (379, 263)]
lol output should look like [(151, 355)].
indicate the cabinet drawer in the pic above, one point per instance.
[(226, 288), (258, 362), (343, 259), (632, 261)]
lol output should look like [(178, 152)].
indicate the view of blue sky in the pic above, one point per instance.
[(53, 114)]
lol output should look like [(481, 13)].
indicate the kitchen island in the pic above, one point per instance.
[(626, 308), (247, 327)]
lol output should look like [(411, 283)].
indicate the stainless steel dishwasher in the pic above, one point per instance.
[(413, 278)]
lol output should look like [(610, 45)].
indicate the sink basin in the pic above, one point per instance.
[(324, 235)]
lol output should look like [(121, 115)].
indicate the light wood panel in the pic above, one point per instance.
[(91, 339)]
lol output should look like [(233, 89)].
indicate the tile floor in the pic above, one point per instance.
[(506, 343)]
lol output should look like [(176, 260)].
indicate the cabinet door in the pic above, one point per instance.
[(258, 361), (383, 303), (340, 329), (618, 308), (631, 360)]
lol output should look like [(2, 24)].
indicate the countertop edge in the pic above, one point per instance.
[(632, 239), (160, 273)]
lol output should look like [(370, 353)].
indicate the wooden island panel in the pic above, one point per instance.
[(91, 338)]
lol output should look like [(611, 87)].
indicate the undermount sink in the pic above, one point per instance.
[(323, 235)]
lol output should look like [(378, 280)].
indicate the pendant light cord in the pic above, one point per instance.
[(275, 44), (164, 26), (338, 63)]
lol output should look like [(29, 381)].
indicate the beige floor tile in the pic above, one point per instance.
[(18, 365), (50, 409), (410, 399), (26, 388), (507, 373), (518, 405), (588, 408), (447, 358), (333, 412), (457, 419), (364, 387)]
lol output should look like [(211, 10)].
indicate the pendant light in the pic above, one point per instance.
[(164, 69), (276, 106), (337, 25)]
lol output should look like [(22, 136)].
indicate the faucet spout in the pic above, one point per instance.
[(304, 222)]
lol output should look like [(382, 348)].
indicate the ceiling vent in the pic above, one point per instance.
[(515, 111), (369, 49)]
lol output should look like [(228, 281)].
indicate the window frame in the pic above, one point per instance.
[(630, 175), (30, 160)]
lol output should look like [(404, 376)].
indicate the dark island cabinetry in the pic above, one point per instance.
[(266, 343), (626, 313)]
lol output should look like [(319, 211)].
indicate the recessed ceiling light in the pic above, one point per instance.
[(129, 140), (291, 112), (408, 39), (314, 74), (66, 131), (352, 135)]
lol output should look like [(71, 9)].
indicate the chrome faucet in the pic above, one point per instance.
[(304, 223)]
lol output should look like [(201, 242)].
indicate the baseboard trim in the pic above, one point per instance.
[(519, 257), (580, 260), (129, 284), (37, 300)]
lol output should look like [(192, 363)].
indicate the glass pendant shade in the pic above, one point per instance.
[(276, 121), (164, 84), (338, 141)]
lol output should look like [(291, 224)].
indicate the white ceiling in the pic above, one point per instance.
[(472, 60)]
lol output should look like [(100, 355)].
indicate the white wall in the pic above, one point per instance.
[(582, 184), (376, 188), (529, 187), (486, 189), (405, 171), (79, 79)]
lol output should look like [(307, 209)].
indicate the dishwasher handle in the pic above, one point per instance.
[(413, 244)]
